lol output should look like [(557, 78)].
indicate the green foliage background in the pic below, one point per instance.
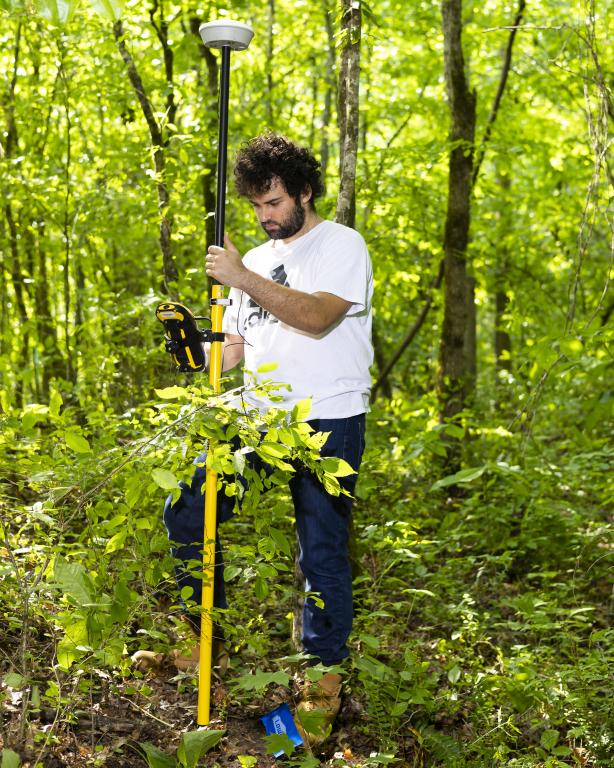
[(483, 616)]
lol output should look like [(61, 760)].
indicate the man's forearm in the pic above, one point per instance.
[(233, 351), (310, 312)]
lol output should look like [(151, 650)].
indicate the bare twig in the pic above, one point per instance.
[(507, 63)]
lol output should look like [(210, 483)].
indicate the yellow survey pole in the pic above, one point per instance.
[(227, 35), (206, 623)]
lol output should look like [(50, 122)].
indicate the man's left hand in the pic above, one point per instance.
[(225, 264)]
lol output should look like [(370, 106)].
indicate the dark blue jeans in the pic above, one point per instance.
[(322, 524)]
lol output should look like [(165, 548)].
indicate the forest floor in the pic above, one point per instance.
[(111, 731), (482, 637)]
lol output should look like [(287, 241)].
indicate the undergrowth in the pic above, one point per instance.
[(483, 608)]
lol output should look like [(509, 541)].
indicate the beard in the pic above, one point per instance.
[(289, 226)]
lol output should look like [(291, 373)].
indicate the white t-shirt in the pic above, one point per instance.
[(331, 368)]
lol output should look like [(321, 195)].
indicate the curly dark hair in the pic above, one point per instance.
[(270, 156)]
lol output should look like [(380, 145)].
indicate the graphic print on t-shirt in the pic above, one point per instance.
[(255, 314)]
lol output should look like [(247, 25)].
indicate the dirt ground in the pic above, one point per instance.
[(157, 710)]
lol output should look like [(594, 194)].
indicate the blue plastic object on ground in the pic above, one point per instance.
[(280, 720)]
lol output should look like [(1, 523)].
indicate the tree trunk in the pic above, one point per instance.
[(22, 312), (67, 225), (455, 379), (45, 322), (349, 82), (268, 65), (10, 145), (471, 337), (329, 89), (502, 339)]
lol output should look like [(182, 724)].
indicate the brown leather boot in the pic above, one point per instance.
[(318, 706), (179, 661)]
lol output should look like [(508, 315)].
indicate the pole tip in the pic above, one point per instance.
[(234, 34)]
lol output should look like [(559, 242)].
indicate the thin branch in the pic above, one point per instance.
[(505, 70), (413, 331), (162, 33), (148, 112)]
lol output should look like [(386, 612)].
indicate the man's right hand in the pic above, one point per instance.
[(225, 264)]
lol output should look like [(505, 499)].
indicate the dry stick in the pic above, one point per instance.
[(145, 712), (435, 285)]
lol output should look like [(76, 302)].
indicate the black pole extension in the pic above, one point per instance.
[(222, 149)]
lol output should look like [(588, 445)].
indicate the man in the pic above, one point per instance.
[(301, 300)]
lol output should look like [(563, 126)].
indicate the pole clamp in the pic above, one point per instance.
[(221, 302), (212, 336)]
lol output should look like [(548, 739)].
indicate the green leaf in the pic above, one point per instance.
[(279, 742), (11, 6), (58, 12), (301, 410), (10, 759), (281, 541), (170, 393), (238, 462), (247, 761), (274, 450), (314, 721), (32, 414), (399, 708), (549, 738), (260, 680), (77, 442), (164, 479), (14, 680), (414, 591), (155, 757), (74, 581), (117, 541), (194, 744), (108, 9), (267, 368), (55, 403), (336, 467), (464, 476), (454, 674)]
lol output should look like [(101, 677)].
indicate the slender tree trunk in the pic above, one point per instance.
[(161, 28), (349, 82), (502, 339), (471, 338), (157, 143), (329, 89), (455, 379), (382, 382), (45, 322), (11, 144), (70, 371), (470, 334), (270, 83), (20, 300)]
